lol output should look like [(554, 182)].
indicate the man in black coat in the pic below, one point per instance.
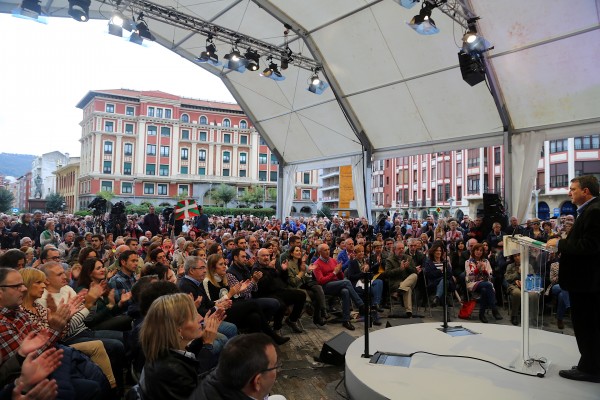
[(579, 274)]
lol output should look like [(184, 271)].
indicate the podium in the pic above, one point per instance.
[(525, 245)]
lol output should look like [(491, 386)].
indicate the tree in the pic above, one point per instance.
[(6, 200), (255, 195), (55, 202), (272, 194), (325, 211), (223, 194), (106, 194)]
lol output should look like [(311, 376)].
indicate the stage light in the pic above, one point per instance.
[(235, 60), (472, 67), (407, 3), (115, 25), (272, 72), (33, 6), (316, 85), (286, 58), (79, 10), (31, 10), (141, 31), (422, 23), (252, 60), (209, 56)]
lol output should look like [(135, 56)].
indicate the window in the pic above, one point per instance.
[(274, 160), (151, 111), (162, 189), (128, 149), (226, 157), (203, 120), (243, 158), (168, 113), (243, 139), (587, 168), (202, 155), (226, 123), (587, 142), (129, 129), (150, 169), (243, 124), (242, 173), (559, 175), (185, 118), (201, 171), (185, 134), (459, 169), (184, 153), (165, 131), (159, 113), (497, 156), (109, 126), (473, 158), (262, 176), (164, 151), (459, 193), (273, 177), (108, 147), (227, 137), (262, 142), (110, 108), (556, 146), (306, 178), (127, 168), (446, 191), (225, 171), (262, 158), (163, 170), (151, 149), (473, 184), (126, 187), (129, 110), (183, 190), (305, 194), (106, 186), (203, 136), (152, 130), (148, 188), (184, 170), (107, 167)]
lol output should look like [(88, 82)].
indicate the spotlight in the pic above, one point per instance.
[(286, 58), (141, 32), (32, 6), (316, 85), (272, 72), (209, 56), (30, 9), (472, 41), (422, 23), (79, 10), (235, 61), (407, 3), (252, 60), (472, 67), (115, 24)]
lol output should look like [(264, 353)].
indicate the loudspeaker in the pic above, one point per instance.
[(492, 204), (334, 350), (471, 68)]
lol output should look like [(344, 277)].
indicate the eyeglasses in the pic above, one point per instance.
[(15, 286), (55, 258), (199, 268), (276, 367)]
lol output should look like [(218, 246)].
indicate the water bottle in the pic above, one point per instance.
[(529, 283), (537, 283)]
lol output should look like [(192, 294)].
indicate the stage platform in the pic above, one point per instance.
[(432, 377)]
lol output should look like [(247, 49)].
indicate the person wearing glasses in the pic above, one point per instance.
[(247, 369)]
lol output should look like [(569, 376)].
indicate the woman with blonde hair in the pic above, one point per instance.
[(174, 356), (35, 282)]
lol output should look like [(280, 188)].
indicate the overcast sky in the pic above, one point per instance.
[(47, 69)]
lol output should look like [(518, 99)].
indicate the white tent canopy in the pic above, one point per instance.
[(394, 92)]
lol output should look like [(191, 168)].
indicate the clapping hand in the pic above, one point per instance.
[(211, 324), (32, 342), (35, 368), (284, 265), (125, 297), (244, 285)]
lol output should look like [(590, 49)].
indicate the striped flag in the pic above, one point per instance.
[(186, 209)]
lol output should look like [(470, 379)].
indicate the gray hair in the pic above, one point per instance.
[(191, 262)]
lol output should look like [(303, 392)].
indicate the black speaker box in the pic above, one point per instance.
[(399, 322), (334, 350), (472, 70)]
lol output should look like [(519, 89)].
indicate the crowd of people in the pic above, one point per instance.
[(179, 308)]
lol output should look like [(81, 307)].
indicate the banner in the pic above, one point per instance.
[(186, 209)]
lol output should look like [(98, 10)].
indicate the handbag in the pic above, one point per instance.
[(467, 309)]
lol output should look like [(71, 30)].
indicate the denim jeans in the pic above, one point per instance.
[(488, 298), (226, 331), (563, 301), (346, 291)]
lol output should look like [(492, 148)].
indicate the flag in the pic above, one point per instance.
[(186, 209)]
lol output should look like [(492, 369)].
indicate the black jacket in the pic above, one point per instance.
[(211, 389), (579, 269), (172, 377)]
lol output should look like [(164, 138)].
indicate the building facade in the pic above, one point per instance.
[(43, 180), (154, 146), (66, 183)]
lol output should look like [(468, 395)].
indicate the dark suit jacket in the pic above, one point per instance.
[(579, 269)]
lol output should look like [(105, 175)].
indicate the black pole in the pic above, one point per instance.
[(445, 266), (367, 276)]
